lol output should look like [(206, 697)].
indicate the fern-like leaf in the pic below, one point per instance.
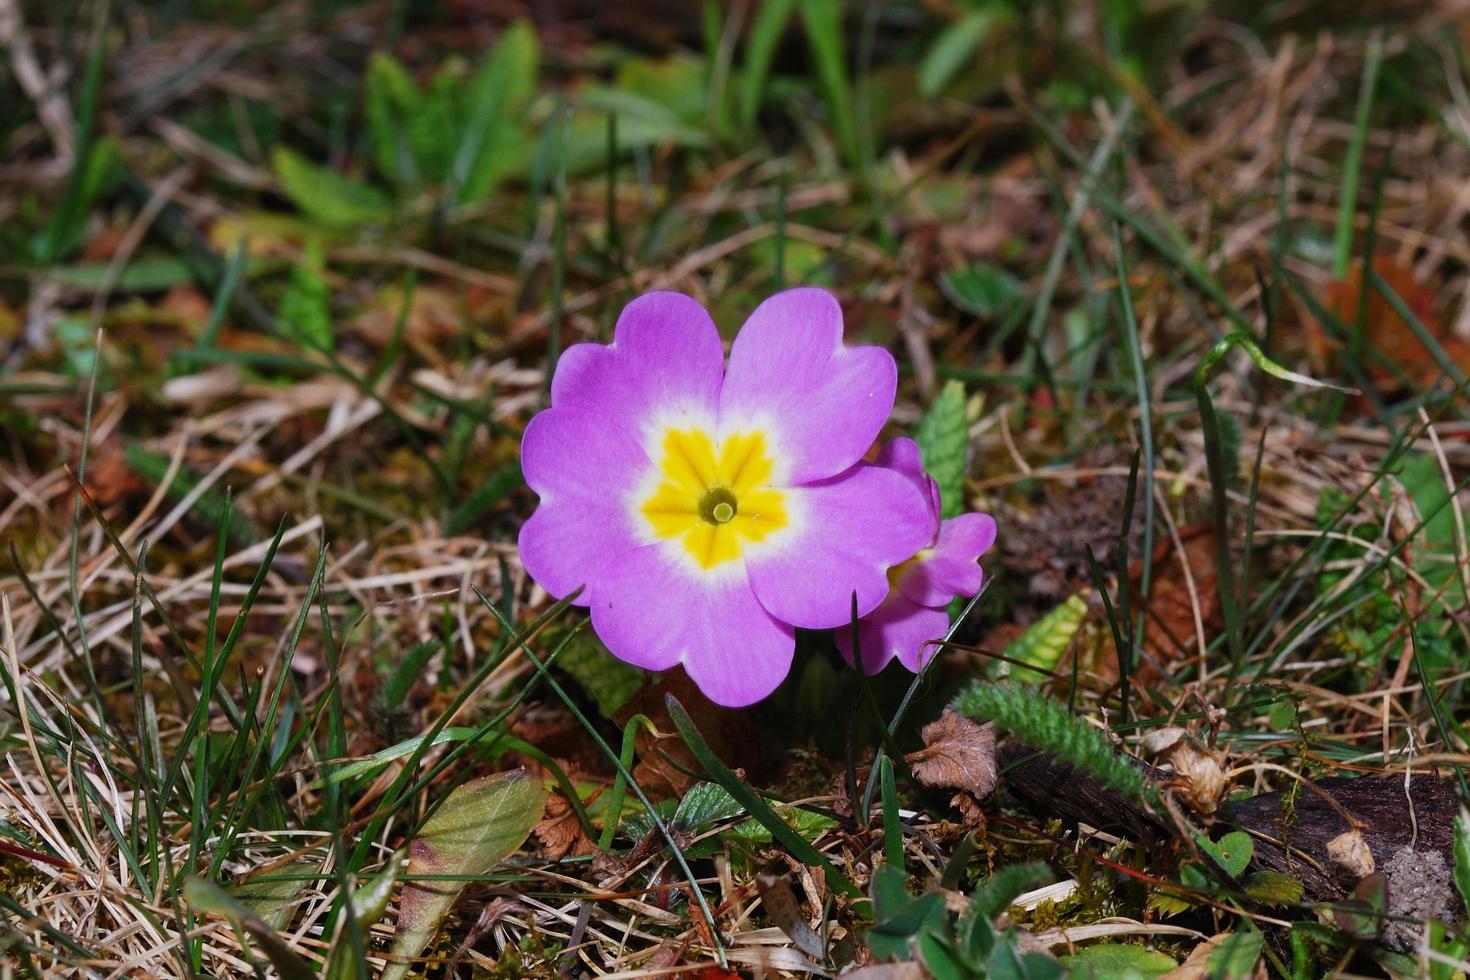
[(1038, 720)]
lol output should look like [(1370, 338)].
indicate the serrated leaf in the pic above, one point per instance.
[(326, 196), (1118, 961), (1232, 852), (955, 45), (944, 443), (1046, 640), (704, 803), (481, 824), (304, 306), (206, 896)]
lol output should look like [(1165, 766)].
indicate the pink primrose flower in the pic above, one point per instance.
[(908, 624), (707, 510)]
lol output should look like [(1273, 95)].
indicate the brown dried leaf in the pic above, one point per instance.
[(560, 832), (957, 754), (1350, 852)]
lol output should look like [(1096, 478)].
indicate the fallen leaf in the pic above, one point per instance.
[(958, 754), (783, 909), (1350, 852), (482, 823), (1384, 327), (560, 832)]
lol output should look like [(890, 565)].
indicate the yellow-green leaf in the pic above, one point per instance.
[(481, 824), (944, 444)]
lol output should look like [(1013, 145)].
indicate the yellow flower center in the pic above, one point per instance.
[(714, 499)]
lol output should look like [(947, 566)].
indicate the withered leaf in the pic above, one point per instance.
[(957, 754)]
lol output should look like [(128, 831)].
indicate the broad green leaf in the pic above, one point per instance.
[(984, 290), (1232, 852), (955, 46), (1462, 856), (940, 958), (481, 824), (492, 136), (369, 902), (206, 896), (1235, 958), (704, 803), (1118, 961), (944, 443), (1045, 640), (304, 306), (326, 196), (1007, 962)]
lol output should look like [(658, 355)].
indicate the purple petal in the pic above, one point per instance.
[(898, 629), (653, 612), (903, 456), (951, 568), (788, 370), (583, 471), (846, 533), (666, 363), (586, 454)]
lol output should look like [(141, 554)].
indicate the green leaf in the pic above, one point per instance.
[(1118, 961), (984, 290), (940, 958), (272, 896), (1045, 640), (499, 485), (206, 896), (369, 902), (493, 140), (702, 804), (611, 682), (766, 29), (1462, 856), (954, 46), (1232, 852), (63, 234), (304, 306), (1235, 958), (481, 824), (823, 20), (944, 443), (1273, 888), (391, 99), (758, 808), (326, 196), (148, 274), (899, 918)]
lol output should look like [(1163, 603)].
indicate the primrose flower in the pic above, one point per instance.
[(912, 619), (707, 511)]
